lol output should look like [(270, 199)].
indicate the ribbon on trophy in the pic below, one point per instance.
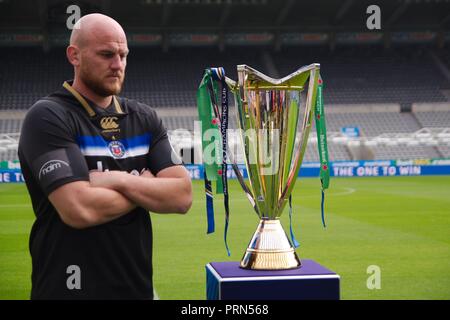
[(295, 243), (323, 156), (322, 145), (212, 88)]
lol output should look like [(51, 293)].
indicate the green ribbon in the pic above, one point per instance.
[(211, 125), (214, 123), (322, 143)]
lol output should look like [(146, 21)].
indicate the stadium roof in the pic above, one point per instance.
[(225, 15)]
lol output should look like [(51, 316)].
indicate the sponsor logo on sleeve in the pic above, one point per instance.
[(50, 167)]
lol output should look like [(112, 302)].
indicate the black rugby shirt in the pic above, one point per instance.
[(60, 142)]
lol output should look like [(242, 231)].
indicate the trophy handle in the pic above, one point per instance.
[(232, 85), (298, 158)]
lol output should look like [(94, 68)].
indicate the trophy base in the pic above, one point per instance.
[(270, 249)]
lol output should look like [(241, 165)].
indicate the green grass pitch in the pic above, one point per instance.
[(401, 224)]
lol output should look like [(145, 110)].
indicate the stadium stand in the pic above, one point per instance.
[(336, 153), (165, 79), (10, 125), (438, 119), (371, 74), (366, 87), (373, 123)]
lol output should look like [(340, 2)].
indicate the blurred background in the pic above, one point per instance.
[(386, 90), (387, 105)]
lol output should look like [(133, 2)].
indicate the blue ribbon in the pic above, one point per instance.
[(225, 237), (294, 241), (224, 128), (321, 208), (218, 74), (209, 206)]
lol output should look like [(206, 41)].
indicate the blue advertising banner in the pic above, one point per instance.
[(351, 132), (11, 175), (382, 168), (387, 169), (353, 169)]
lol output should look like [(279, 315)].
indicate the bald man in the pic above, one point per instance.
[(95, 164)]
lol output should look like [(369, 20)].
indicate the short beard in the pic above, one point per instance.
[(97, 85)]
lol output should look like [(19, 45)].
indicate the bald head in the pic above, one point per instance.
[(96, 27), (98, 51)]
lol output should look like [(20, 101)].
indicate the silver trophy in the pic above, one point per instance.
[(274, 143), (270, 109)]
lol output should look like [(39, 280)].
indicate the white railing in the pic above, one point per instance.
[(9, 141)]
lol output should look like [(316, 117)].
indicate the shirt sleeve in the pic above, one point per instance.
[(48, 147), (161, 154)]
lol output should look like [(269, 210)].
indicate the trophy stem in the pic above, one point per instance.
[(270, 249)]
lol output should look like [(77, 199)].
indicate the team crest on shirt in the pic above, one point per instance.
[(117, 149)]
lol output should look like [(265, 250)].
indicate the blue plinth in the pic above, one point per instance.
[(226, 281)]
